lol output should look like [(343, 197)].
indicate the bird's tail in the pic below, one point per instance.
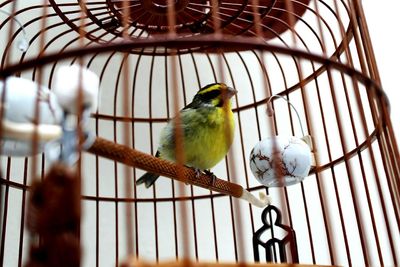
[(148, 178)]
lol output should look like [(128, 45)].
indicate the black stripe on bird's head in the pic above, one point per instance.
[(215, 94)]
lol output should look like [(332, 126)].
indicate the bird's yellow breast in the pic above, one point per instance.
[(209, 146), (208, 134)]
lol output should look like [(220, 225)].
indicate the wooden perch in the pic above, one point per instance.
[(135, 158)]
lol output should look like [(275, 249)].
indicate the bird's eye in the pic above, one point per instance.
[(211, 94)]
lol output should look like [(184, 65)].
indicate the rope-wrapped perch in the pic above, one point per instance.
[(135, 158)]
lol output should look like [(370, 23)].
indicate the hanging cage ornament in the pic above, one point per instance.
[(151, 57), (291, 155), (17, 127)]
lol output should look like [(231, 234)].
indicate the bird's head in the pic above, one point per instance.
[(215, 94)]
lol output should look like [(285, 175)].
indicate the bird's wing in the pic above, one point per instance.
[(188, 120)]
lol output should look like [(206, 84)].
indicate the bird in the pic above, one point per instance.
[(207, 126)]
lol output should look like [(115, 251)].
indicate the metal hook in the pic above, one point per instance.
[(23, 43), (270, 110)]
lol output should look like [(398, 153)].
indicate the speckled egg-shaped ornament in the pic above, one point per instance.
[(292, 160)]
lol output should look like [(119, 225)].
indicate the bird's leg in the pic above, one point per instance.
[(198, 172), (213, 176)]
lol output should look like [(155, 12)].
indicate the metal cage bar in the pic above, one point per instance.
[(151, 58)]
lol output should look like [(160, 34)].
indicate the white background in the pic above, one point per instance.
[(384, 21)]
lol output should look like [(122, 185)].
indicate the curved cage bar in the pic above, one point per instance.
[(315, 53), (100, 17)]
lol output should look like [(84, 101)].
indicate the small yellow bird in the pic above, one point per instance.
[(207, 125)]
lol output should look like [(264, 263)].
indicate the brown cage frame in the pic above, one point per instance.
[(115, 27)]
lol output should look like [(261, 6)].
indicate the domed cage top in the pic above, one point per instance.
[(304, 72)]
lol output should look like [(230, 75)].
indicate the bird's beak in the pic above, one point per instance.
[(230, 92)]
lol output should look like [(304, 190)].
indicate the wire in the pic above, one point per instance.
[(23, 43), (270, 110)]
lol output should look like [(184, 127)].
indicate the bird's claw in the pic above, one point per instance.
[(213, 177), (198, 172)]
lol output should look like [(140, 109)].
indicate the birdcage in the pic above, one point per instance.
[(88, 86)]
